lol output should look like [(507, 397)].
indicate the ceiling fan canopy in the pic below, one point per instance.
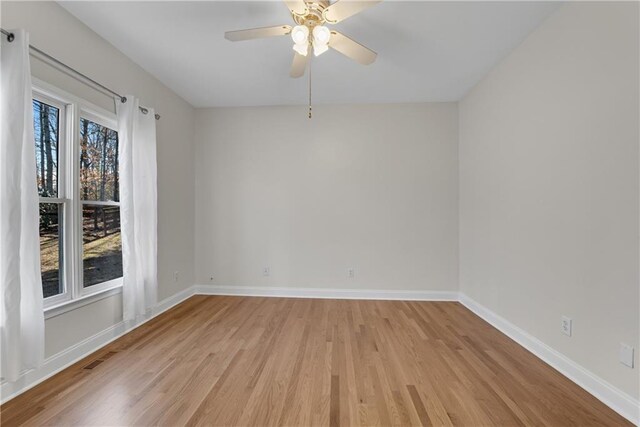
[(311, 32)]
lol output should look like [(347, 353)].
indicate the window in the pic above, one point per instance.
[(53, 203), (101, 243), (77, 177)]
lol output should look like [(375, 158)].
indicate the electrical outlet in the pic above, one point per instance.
[(351, 272), (565, 325), (266, 271), (176, 275), (626, 355)]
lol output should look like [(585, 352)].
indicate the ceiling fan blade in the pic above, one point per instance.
[(299, 65), (351, 48), (297, 7), (258, 33), (342, 9)]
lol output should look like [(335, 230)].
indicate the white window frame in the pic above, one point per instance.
[(72, 109), (109, 121), (63, 198)]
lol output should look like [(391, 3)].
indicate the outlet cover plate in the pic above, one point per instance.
[(626, 355), (565, 325)]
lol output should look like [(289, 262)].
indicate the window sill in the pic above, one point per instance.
[(70, 305)]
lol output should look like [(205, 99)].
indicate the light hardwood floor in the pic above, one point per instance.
[(298, 362)]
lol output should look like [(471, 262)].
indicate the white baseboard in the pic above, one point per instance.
[(363, 294), (611, 396), (616, 399), (56, 363)]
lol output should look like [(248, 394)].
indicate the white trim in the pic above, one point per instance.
[(56, 363), (64, 97), (96, 288), (363, 294), (72, 304), (614, 398), (52, 200), (97, 116), (99, 203)]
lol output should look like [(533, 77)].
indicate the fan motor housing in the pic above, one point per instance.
[(313, 16)]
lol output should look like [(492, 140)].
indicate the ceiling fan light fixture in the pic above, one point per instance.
[(309, 17), (300, 34), (301, 48), (319, 49), (321, 34)]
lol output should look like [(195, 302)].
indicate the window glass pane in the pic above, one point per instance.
[(51, 248), (98, 162), (46, 131), (102, 247)]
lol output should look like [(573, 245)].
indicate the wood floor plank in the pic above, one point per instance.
[(244, 361)]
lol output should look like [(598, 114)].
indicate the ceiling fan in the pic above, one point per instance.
[(311, 32)]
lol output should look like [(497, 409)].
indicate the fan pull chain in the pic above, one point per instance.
[(309, 89)]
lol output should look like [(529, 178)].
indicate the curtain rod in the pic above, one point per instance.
[(84, 79)]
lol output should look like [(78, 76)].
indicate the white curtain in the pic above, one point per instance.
[(22, 317), (138, 207)]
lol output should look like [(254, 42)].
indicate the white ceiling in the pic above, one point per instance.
[(427, 51)]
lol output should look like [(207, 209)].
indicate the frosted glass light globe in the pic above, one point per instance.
[(321, 34), (301, 48), (300, 34), (319, 49)]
